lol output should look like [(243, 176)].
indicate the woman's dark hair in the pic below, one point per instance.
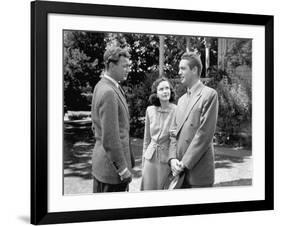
[(153, 99)]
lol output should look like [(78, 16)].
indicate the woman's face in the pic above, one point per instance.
[(164, 91)]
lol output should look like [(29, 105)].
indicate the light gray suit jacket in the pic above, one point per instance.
[(110, 123), (195, 122)]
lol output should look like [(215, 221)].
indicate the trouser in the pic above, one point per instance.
[(99, 186)]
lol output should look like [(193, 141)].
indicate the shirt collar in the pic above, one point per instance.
[(194, 87), (111, 79), (167, 110)]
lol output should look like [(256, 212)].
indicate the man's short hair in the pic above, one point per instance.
[(194, 61), (113, 54)]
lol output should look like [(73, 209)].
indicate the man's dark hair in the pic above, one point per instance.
[(153, 99)]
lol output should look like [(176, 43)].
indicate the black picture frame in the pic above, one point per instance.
[(39, 112)]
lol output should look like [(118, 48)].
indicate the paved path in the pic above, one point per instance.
[(233, 168)]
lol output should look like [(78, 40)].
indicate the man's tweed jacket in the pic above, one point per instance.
[(110, 123)]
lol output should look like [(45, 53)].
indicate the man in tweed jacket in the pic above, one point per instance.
[(112, 158)]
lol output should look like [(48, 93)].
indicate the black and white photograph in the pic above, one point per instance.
[(147, 112), (140, 112)]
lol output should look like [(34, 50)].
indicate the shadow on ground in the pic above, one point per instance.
[(240, 182), (227, 157), (222, 161), (79, 142), (78, 145)]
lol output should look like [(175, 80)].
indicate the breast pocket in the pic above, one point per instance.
[(194, 117)]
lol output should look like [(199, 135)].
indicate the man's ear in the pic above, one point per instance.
[(110, 65), (195, 70)]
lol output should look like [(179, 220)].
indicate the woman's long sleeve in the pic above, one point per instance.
[(147, 136)]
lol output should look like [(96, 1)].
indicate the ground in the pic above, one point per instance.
[(233, 167)]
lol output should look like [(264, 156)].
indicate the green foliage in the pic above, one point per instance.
[(235, 109), (83, 65), (83, 57), (175, 46), (137, 97), (241, 53), (144, 50), (234, 89)]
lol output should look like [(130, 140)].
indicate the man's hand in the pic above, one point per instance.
[(176, 166), (126, 176)]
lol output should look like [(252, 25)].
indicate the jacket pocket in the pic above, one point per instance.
[(189, 131)]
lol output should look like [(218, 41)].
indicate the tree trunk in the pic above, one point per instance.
[(187, 44), (161, 55), (221, 53), (207, 56)]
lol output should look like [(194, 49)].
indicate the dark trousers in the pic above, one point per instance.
[(99, 187)]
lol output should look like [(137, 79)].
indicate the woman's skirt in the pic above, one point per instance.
[(154, 174)]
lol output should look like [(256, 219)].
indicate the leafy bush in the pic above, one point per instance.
[(137, 98), (83, 65), (235, 109)]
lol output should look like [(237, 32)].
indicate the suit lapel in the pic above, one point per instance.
[(191, 102), (120, 95), (122, 98)]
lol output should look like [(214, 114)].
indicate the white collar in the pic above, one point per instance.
[(111, 79), (194, 87)]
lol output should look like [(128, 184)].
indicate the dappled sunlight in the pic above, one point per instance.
[(239, 182), (233, 167), (222, 161), (78, 145)]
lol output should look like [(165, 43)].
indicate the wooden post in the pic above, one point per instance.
[(207, 55), (187, 44), (161, 55), (221, 53)]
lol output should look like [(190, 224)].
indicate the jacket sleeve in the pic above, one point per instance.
[(147, 136), (110, 137), (205, 132), (173, 139)]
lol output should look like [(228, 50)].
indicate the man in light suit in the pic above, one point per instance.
[(191, 151), (112, 158)]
